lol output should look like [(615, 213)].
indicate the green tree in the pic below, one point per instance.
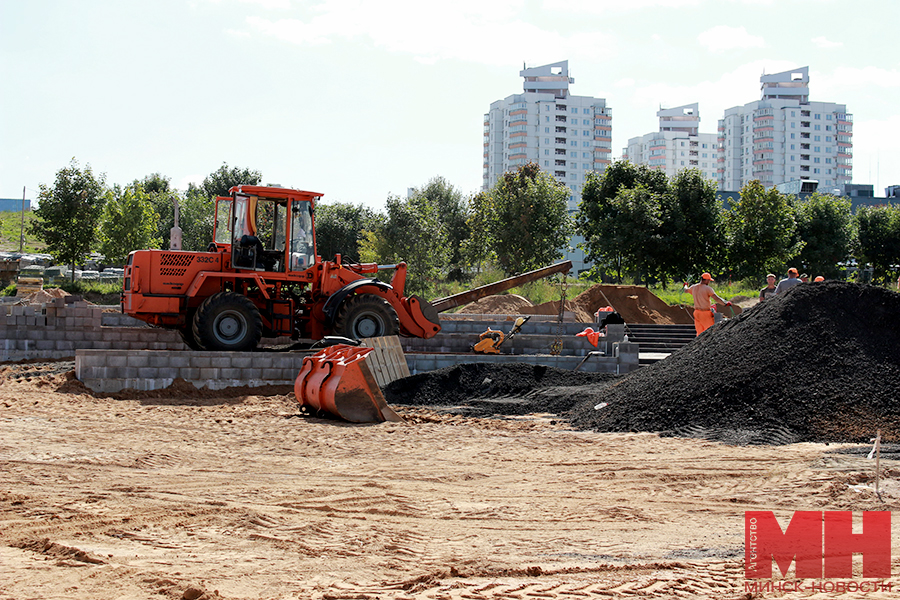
[(162, 196), (68, 214), (340, 227), (825, 224), (452, 212), (197, 208), (761, 232), (600, 218), (637, 236), (878, 232), (691, 232), (533, 225), (410, 232), (129, 223), (224, 178), (478, 248)]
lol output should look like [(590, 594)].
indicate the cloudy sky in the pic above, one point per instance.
[(362, 99)]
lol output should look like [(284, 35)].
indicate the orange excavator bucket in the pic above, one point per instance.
[(338, 381)]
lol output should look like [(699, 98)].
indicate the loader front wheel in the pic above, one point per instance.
[(366, 316), (227, 321)]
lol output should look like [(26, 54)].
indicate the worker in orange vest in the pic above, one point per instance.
[(704, 316)]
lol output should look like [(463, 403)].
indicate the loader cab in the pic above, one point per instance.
[(266, 234)]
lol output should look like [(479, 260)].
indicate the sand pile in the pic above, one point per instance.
[(552, 308), (42, 296), (505, 304), (819, 363), (636, 304)]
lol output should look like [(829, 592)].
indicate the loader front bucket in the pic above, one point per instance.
[(338, 381)]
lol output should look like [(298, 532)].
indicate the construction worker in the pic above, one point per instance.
[(785, 284), (704, 312), (769, 290)]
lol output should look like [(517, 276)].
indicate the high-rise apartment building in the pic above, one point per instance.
[(567, 136), (677, 145), (785, 137)]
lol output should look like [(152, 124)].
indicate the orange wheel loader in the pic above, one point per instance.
[(261, 276)]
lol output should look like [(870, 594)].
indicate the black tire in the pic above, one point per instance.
[(187, 336), (227, 321), (366, 316)]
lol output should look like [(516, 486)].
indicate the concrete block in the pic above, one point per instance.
[(65, 345), (230, 373), (209, 373), (271, 374), (146, 372), (45, 345), (120, 345), (220, 362), (252, 373), (167, 373), (158, 360), (179, 360), (131, 336), (201, 360), (137, 360), (241, 361), (101, 345)]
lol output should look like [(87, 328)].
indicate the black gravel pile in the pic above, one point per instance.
[(818, 363), (483, 389)]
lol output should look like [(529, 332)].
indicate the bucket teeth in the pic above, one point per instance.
[(338, 381)]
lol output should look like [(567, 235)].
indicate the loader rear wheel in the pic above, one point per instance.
[(366, 316), (227, 321)]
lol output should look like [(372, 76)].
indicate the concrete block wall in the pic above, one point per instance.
[(57, 329), (111, 371)]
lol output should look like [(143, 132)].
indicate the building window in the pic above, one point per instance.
[(547, 118), (817, 116), (828, 128), (585, 121), (816, 149), (827, 161), (586, 111), (546, 163), (546, 152), (793, 136), (792, 147), (586, 132), (586, 144), (575, 110), (792, 169), (573, 143)]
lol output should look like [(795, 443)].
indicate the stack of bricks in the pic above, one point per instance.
[(56, 329)]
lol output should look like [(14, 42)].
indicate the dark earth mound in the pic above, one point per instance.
[(483, 389), (818, 363)]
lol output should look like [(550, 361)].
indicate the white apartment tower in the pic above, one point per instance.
[(785, 137), (567, 136), (677, 145)]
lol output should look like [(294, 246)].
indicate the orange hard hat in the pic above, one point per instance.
[(819, 278), (706, 276)]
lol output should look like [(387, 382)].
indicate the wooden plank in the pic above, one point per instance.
[(387, 361)]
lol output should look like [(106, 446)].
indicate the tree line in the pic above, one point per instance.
[(635, 222), (638, 223)]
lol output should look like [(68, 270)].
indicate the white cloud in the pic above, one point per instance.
[(823, 42), (625, 83), (237, 33), (734, 88), (854, 78), (489, 33), (606, 6), (279, 4), (875, 152), (723, 37)]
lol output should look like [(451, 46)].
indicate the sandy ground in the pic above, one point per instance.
[(245, 498)]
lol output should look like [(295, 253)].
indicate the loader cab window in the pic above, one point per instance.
[(259, 233), (223, 221), (303, 249)]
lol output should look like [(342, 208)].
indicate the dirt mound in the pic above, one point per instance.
[(636, 304), (818, 363), (484, 389), (505, 304), (552, 308), (42, 296)]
